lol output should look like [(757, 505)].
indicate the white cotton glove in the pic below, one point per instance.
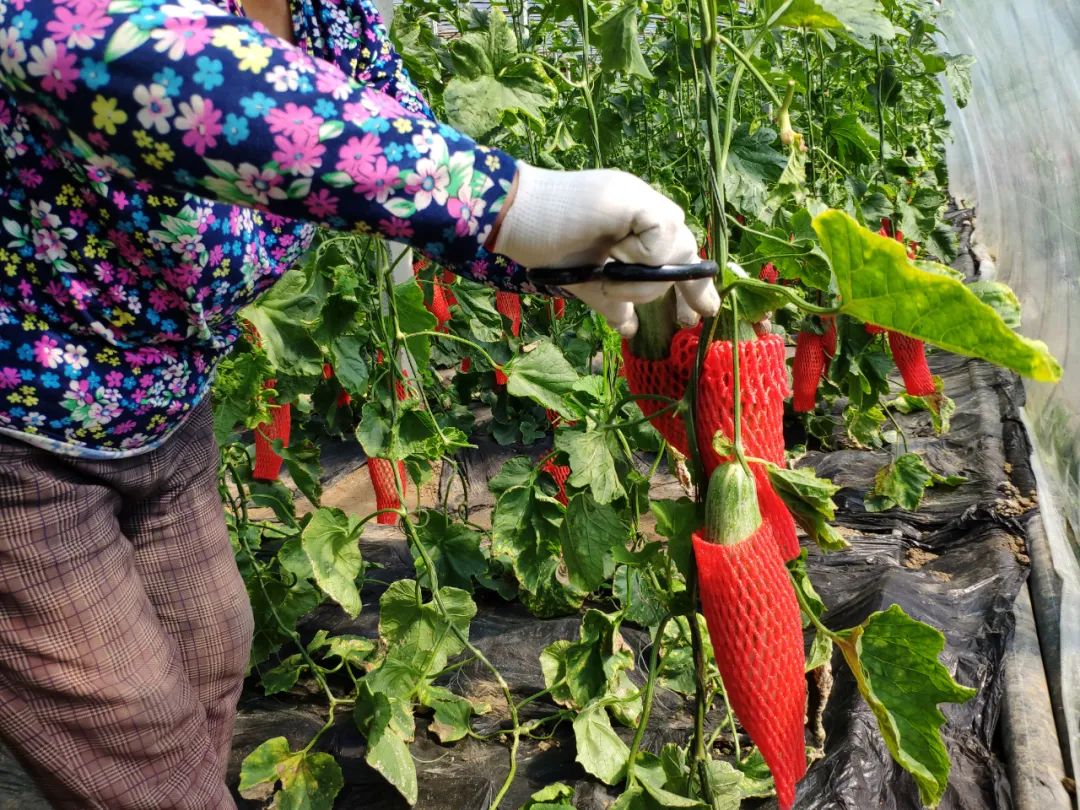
[(565, 219)]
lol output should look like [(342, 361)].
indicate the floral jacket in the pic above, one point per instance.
[(164, 161)]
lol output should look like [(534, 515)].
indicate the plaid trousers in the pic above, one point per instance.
[(125, 627)]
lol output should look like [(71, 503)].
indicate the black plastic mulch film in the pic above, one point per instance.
[(957, 564)]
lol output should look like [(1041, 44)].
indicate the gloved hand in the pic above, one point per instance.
[(565, 219)]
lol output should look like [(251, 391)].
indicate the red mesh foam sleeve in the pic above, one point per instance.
[(560, 472), (439, 306), (667, 378), (775, 513), (509, 305), (807, 368), (267, 462), (381, 471), (909, 355), (828, 340), (756, 633), (764, 387)]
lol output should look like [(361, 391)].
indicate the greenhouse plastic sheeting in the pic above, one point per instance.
[(1016, 157)]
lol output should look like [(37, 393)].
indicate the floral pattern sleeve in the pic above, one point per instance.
[(162, 162), (378, 64), (250, 120)]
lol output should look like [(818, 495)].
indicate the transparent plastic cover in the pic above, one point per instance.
[(1016, 157)]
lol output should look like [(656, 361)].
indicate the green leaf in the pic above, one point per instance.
[(863, 424), (284, 676), (895, 662), (903, 482), (452, 713), (279, 315), (491, 79), (477, 106), (757, 782), (800, 580), (386, 749), (878, 284), (753, 166), (289, 603), (453, 547), (677, 521), (519, 471), (940, 406), (641, 600), (309, 781), (552, 797), (349, 365), (619, 42), (590, 667), (302, 461), (413, 316), (373, 432), (403, 620), (853, 143), (599, 749), (862, 19), (1001, 298), (589, 533), (237, 390), (592, 462), (726, 783), (632, 799), (821, 649), (331, 541), (416, 433), (809, 499), (543, 375), (354, 649)]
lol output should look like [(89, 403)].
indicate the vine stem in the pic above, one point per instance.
[(811, 173), (731, 721), (450, 336), (786, 292), (744, 58), (586, 85), (672, 406), (880, 108), (287, 630), (433, 579), (900, 430), (647, 701)]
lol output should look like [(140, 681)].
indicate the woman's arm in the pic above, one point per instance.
[(199, 101)]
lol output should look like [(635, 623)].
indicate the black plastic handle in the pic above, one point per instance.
[(620, 271)]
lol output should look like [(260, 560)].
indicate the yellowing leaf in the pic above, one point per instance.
[(309, 781), (599, 749), (895, 662), (878, 284)]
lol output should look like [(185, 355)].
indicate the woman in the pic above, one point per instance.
[(164, 162)]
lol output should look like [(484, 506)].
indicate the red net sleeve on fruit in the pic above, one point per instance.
[(763, 374), (756, 633), (267, 462)]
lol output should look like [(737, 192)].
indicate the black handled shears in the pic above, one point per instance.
[(620, 271)]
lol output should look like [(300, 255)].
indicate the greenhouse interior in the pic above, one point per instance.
[(539, 404)]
